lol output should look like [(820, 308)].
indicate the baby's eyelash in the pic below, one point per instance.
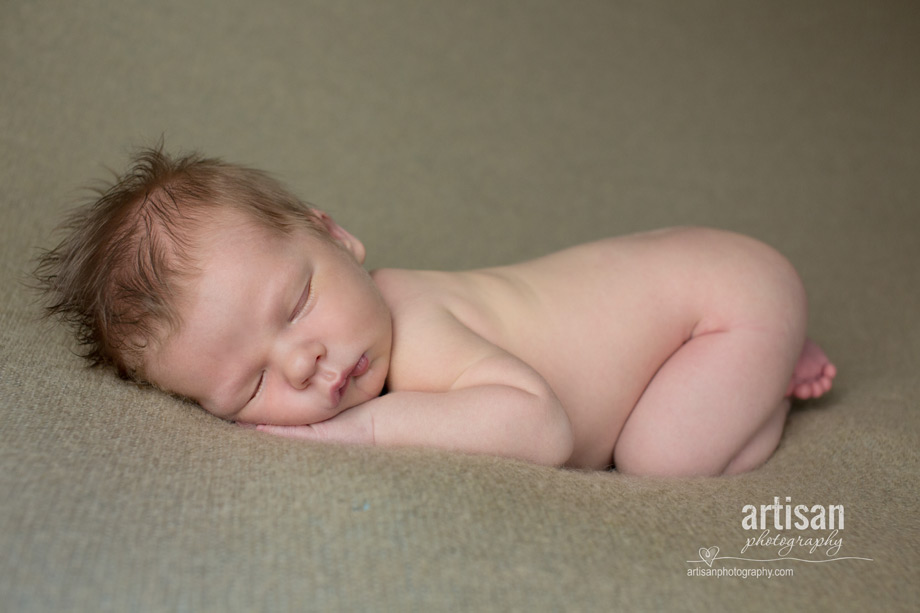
[(304, 300), (258, 387)]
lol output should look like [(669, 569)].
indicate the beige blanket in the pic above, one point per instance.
[(452, 135)]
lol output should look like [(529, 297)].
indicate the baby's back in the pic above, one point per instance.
[(598, 320)]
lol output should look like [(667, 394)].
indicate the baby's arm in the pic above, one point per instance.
[(472, 397), (493, 408)]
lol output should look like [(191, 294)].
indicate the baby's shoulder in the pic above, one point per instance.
[(420, 302), (425, 297), (435, 333), (402, 288)]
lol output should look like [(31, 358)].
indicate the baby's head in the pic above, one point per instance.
[(129, 265)]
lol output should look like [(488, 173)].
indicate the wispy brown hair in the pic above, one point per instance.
[(115, 278)]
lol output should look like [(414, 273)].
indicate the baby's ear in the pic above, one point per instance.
[(342, 236)]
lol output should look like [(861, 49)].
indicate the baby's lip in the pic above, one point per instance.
[(361, 366), (338, 389)]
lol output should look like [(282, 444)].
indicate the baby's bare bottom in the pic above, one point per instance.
[(718, 405)]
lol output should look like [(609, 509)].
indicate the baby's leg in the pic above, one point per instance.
[(812, 377), (719, 403), (716, 406)]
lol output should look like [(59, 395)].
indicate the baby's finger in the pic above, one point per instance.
[(301, 432)]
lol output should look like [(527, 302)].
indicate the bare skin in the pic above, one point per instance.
[(673, 352), (813, 374)]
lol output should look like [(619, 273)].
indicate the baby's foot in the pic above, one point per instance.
[(813, 373)]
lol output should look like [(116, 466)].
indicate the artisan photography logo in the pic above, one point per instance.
[(779, 532)]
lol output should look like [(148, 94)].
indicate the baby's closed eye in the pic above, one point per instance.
[(259, 384), (305, 300)]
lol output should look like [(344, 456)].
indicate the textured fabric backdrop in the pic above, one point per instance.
[(452, 135)]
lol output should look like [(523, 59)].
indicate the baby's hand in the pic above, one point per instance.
[(354, 426)]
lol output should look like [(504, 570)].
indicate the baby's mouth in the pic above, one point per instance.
[(359, 369), (339, 393)]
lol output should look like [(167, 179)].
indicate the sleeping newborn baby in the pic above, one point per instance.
[(673, 352)]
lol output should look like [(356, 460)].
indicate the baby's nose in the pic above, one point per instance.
[(302, 362)]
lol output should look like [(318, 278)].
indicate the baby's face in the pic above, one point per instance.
[(287, 330)]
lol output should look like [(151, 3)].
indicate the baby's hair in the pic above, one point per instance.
[(115, 278)]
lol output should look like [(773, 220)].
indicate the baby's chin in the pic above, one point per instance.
[(365, 388)]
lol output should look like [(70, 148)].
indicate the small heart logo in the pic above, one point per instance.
[(709, 555)]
